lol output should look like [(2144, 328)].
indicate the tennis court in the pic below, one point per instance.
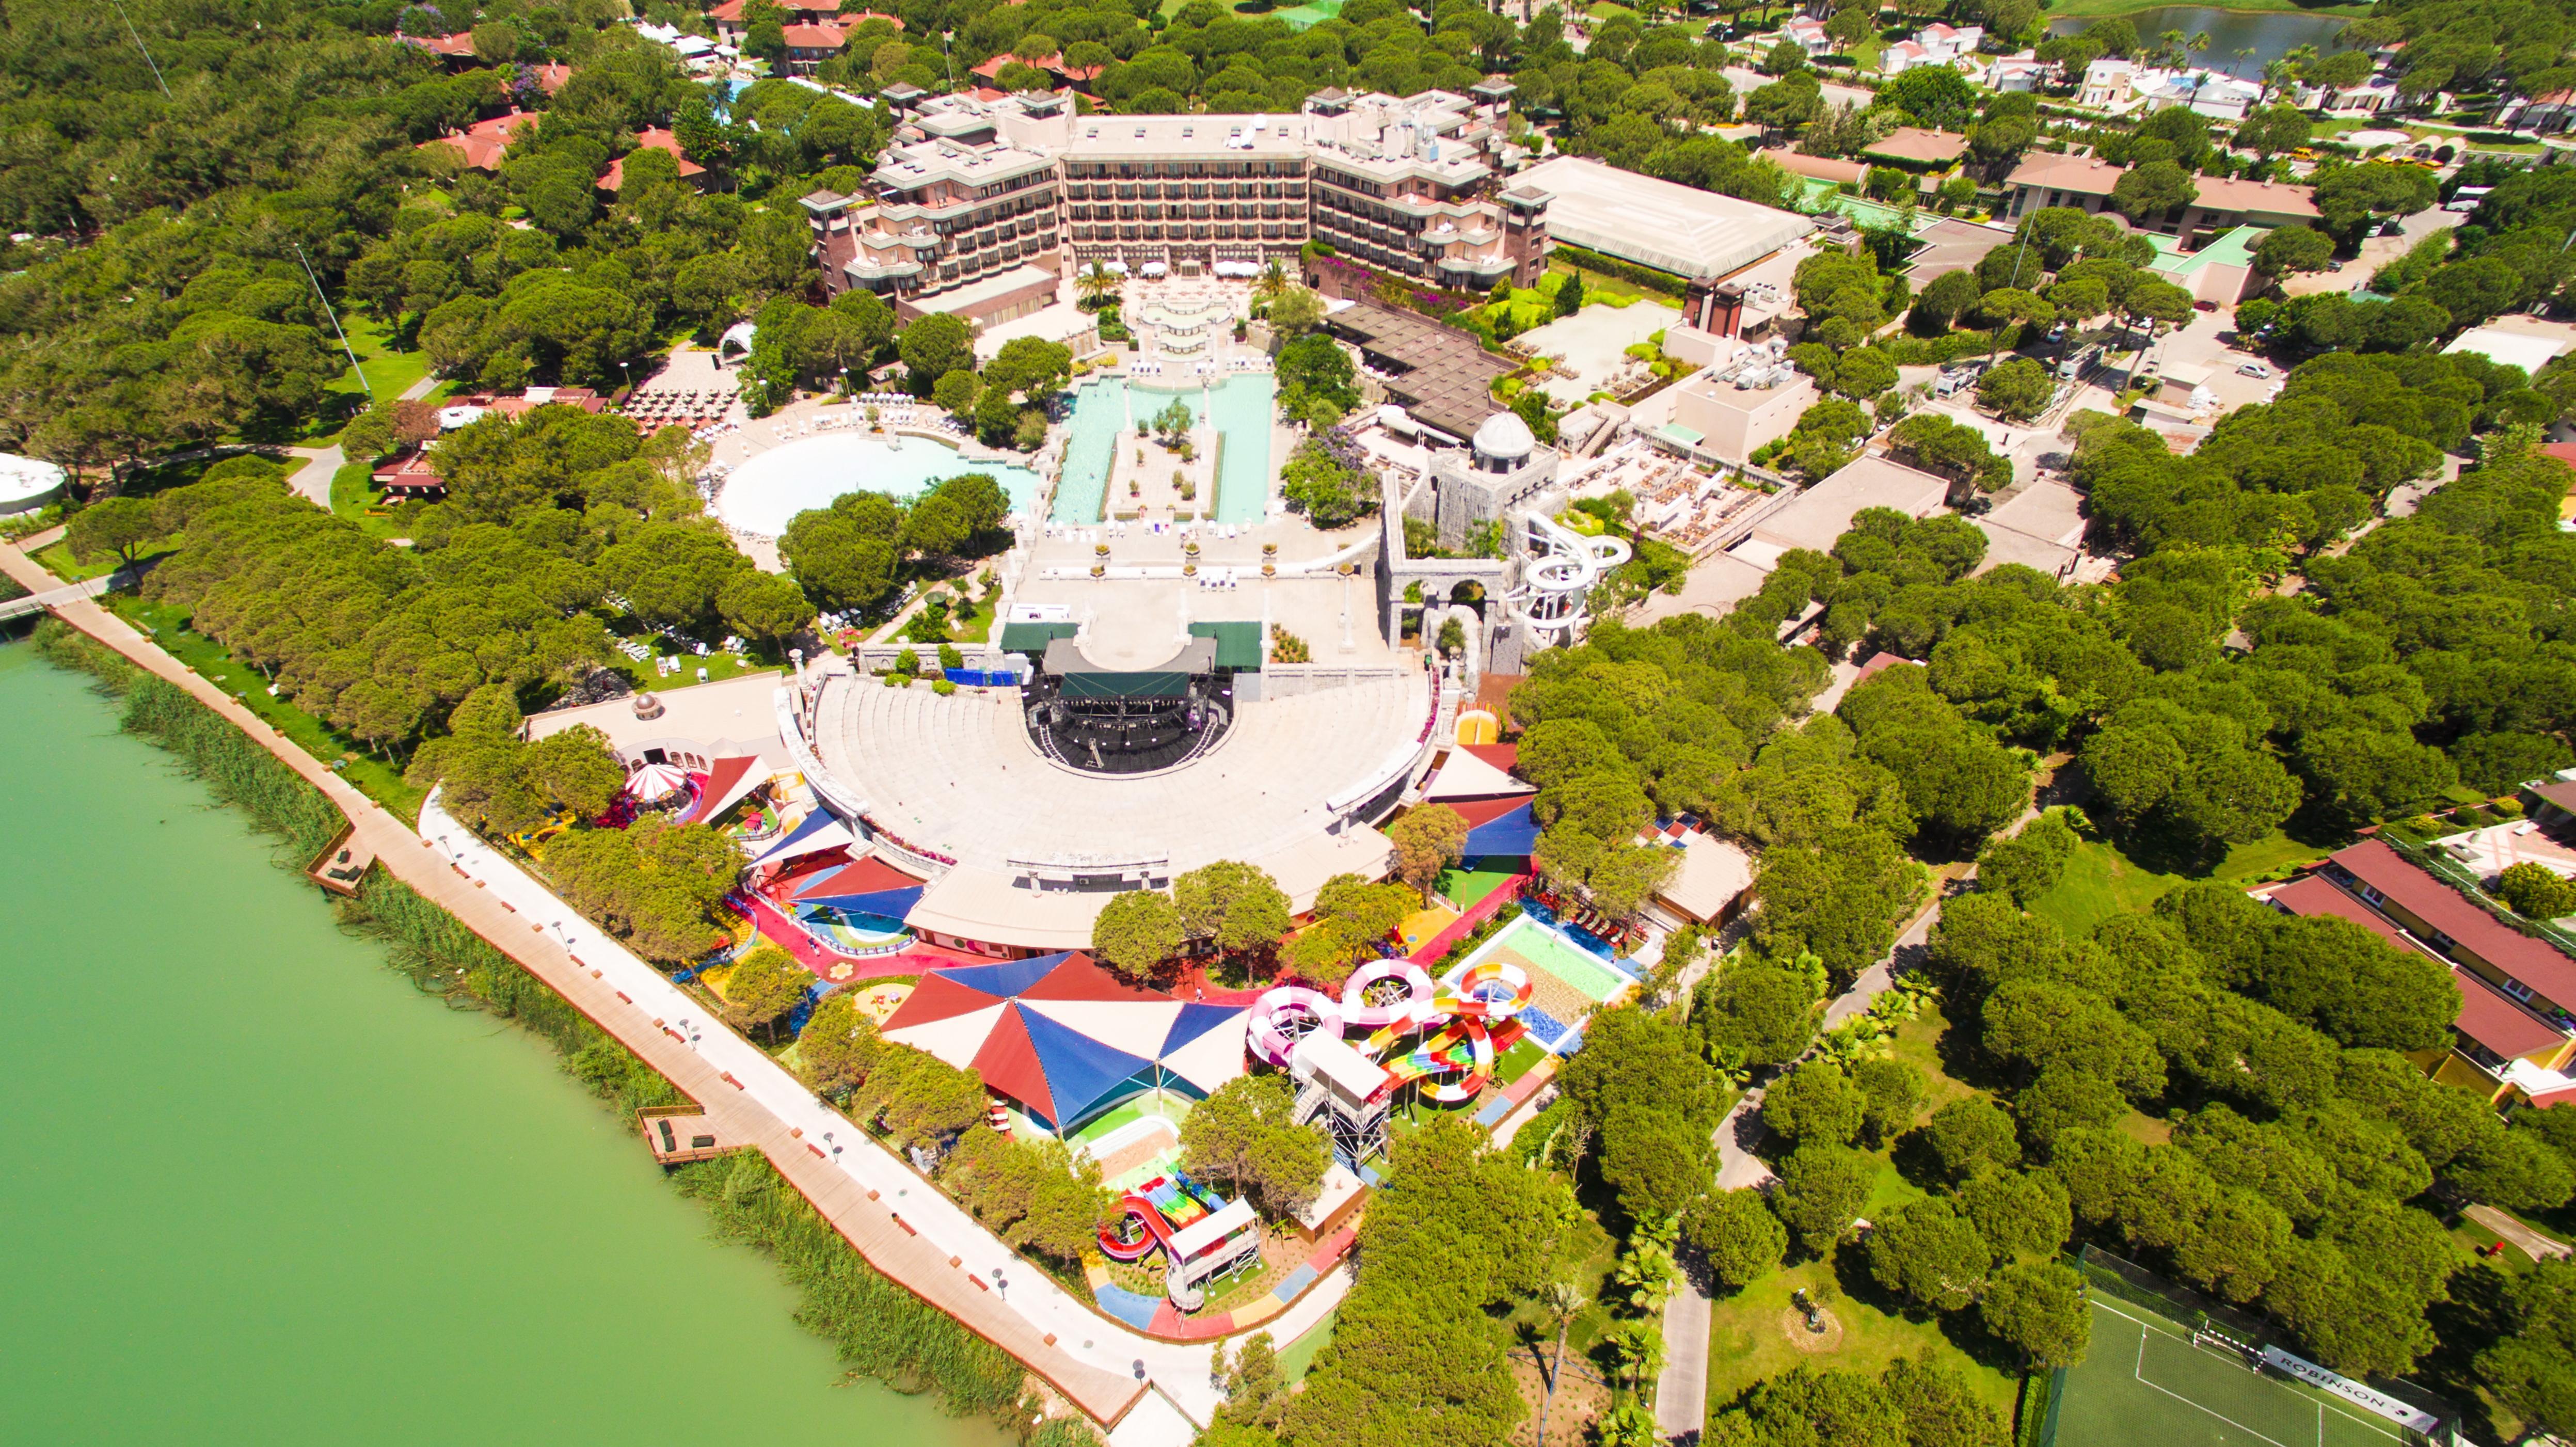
[(2145, 1382)]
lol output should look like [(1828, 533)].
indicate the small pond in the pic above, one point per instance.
[(2240, 42)]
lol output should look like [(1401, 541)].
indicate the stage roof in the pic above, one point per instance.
[(1238, 645), (1169, 679)]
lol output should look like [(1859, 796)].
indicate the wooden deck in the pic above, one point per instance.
[(342, 863), (679, 1134)]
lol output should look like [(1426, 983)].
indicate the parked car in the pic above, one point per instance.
[(2253, 369), (2204, 306)]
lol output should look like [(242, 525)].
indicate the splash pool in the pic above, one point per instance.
[(1241, 408), (809, 472)]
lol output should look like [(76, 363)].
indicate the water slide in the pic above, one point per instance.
[(1460, 1046), (1494, 990), (1164, 1204), (1386, 993), (1280, 1016)]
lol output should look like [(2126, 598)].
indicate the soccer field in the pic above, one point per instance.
[(2145, 1383)]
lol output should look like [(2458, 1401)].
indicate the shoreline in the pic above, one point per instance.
[(2110, 9), (1101, 1396)]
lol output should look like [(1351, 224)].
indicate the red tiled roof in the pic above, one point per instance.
[(652, 139), (2531, 961), (412, 470), (2491, 1018), (551, 76), (2317, 894), (815, 37), (482, 143), (461, 43)]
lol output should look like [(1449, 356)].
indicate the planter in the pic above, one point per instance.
[(1189, 570), (1269, 570), (1191, 547), (1100, 550), (1269, 550), (1098, 571)]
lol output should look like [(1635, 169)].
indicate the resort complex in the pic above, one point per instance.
[(1294, 725)]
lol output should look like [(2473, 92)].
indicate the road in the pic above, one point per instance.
[(1149, 1392)]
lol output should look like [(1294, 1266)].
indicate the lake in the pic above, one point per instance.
[(2269, 35), (260, 1190)]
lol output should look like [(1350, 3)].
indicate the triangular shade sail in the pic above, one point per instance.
[(1511, 834), (868, 886), (1505, 757), (1465, 776), (819, 831), (1486, 811), (727, 781)]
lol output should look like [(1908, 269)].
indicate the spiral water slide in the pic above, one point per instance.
[(1284, 1015)]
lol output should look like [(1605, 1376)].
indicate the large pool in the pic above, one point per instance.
[(1241, 408), (774, 486)]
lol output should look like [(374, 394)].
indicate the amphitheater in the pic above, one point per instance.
[(1026, 850)]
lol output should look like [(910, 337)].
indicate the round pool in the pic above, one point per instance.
[(774, 486)]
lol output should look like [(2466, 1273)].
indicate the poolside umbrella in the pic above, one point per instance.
[(655, 782), (1065, 1038)]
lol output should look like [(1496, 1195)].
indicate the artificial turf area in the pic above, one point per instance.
[(2144, 1381)]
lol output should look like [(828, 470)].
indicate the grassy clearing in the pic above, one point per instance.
[(388, 373), (2101, 881), (1756, 1333), (370, 775), (355, 496), (57, 559)]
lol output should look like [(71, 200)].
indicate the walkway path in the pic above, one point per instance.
[(1150, 1392), (312, 481), (56, 594), (2533, 1244)]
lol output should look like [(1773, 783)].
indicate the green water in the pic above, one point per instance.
[(258, 1190)]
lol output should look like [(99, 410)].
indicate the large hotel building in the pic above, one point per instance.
[(981, 202)]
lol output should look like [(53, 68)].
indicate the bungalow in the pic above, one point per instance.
[(2512, 1036), (1918, 149), (653, 138), (2044, 179), (1935, 44), (551, 76), (1810, 35), (2022, 72), (2366, 99), (2542, 114), (810, 45), (481, 144), (456, 50), (410, 475), (2218, 96)]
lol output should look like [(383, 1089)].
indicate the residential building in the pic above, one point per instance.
[(973, 186), (1935, 44), (2513, 1036), (1917, 149), (653, 138), (1810, 35), (2124, 86), (482, 144), (2366, 99), (2022, 72), (2044, 179)]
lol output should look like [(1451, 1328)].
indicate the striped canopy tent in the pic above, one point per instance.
[(813, 834), (1065, 1038), (867, 886), (727, 781), (1498, 828), (656, 781)]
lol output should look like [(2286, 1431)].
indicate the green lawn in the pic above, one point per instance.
[(377, 779), (2101, 881), (388, 372), (355, 496), (1298, 1355), (56, 558), (719, 664), (1749, 1339)]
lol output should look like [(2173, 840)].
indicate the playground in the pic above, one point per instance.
[(2148, 1380), (1566, 981)]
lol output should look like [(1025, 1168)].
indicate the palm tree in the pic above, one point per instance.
[(1560, 1300), (1272, 283), (1096, 283)]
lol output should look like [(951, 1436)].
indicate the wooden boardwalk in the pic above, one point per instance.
[(887, 1243)]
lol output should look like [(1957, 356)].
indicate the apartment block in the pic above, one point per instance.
[(976, 190)]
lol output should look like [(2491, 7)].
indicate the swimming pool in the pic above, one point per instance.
[(1242, 412), (774, 486)]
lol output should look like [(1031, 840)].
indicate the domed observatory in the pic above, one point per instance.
[(1502, 469)]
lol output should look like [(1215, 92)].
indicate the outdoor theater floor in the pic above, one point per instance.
[(958, 776)]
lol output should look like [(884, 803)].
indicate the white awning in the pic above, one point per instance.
[(1155, 268)]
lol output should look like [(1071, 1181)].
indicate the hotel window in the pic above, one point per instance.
[(2373, 895), (2517, 989)]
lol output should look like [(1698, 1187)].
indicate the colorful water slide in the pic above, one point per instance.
[(1462, 1049), (1165, 1205), (1386, 993), (1283, 1014), (1494, 990), (1155, 1236)]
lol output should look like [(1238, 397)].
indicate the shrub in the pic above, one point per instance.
[(2537, 892)]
